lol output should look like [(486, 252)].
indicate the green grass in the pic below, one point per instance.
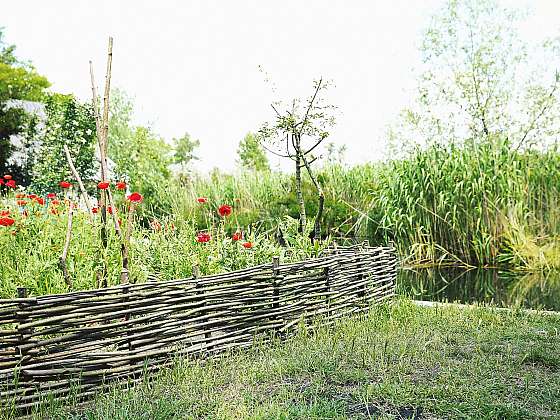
[(396, 361)]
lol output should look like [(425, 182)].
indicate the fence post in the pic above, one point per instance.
[(328, 291), (24, 334), (276, 292), (125, 290), (196, 276), (275, 287)]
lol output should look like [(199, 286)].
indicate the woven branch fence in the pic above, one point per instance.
[(70, 346)]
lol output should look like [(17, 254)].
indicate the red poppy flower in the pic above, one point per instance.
[(203, 237), (64, 184), (11, 183), (111, 210), (236, 236), (121, 185), (32, 196), (247, 245), (7, 176), (20, 195), (50, 196), (55, 202), (1, 181), (6, 221), (135, 198), (54, 211), (103, 185), (224, 210), (5, 213), (40, 201), (94, 210), (202, 199), (21, 202)]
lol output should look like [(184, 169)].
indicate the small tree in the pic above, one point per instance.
[(252, 154), (183, 152), (296, 133)]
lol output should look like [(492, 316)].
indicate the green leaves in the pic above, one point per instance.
[(251, 154)]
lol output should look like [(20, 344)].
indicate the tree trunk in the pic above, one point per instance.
[(299, 194), (317, 225)]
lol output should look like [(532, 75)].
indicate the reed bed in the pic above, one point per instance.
[(72, 345)]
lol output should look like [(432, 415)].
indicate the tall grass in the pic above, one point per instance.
[(481, 204)]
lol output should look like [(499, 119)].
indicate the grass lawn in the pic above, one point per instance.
[(398, 361)]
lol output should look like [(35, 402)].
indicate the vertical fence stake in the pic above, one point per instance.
[(328, 291), (275, 286), (24, 335), (196, 276), (124, 275)]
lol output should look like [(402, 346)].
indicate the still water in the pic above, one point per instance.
[(501, 288)]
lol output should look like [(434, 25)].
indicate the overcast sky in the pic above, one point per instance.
[(193, 66)]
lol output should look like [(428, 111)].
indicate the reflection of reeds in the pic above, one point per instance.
[(537, 290), (503, 288)]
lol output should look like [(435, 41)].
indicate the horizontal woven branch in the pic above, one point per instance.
[(72, 345)]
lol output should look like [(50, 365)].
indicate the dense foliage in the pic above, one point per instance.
[(67, 121), (19, 84)]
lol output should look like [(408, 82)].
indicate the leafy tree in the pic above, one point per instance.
[(251, 154), (139, 155), (183, 153), (296, 132), (481, 81), (67, 122), (335, 154), (18, 82)]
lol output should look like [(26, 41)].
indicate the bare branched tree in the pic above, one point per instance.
[(296, 133)]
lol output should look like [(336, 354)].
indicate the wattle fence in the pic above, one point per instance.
[(72, 345)]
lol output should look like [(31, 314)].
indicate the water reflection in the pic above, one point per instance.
[(502, 288)]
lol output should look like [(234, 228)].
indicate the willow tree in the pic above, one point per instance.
[(296, 132), (481, 80)]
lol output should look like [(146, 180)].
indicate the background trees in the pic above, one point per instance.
[(480, 80), (139, 155), (251, 154)]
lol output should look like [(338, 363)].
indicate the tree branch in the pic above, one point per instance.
[(78, 180), (541, 113)]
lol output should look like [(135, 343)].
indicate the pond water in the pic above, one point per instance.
[(501, 288)]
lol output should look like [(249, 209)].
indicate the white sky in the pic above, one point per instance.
[(193, 66)]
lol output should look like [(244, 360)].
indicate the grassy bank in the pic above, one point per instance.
[(395, 361)]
